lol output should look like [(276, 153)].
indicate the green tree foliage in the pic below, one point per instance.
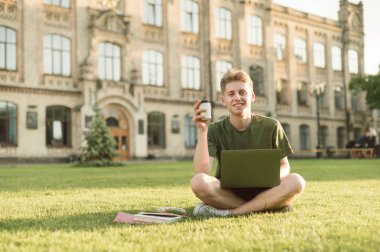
[(369, 84), (99, 149)]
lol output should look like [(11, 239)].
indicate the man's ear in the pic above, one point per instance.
[(222, 98), (253, 97)]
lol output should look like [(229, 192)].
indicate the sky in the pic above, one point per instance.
[(329, 9)]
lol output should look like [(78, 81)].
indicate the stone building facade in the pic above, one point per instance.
[(146, 61)]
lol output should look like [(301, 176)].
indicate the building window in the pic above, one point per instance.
[(282, 92), (221, 68), (353, 63), (257, 76), (286, 128), (60, 3), (152, 13), (338, 97), (153, 68), (190, 16), (279, 45), (8, 123), (58, 126), (341, 137), (112, 122), (300, 50), (7, 49), (57, 55), (355, 105), (109, 62), (223, 23), (156, 129), (190, 132), (336, 54), (324, 131), (302, 93), (319, 55), (190, 72), (255, 31), (304, 137)]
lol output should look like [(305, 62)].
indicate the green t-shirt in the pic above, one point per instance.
[(262, 133)]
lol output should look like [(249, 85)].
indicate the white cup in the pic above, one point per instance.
[(206, 105)]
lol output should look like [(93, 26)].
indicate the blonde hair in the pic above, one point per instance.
[(235, 75)]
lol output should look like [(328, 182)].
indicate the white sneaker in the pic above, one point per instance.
[(205, 210)]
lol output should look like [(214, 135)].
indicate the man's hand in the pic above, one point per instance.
[(200, 122)]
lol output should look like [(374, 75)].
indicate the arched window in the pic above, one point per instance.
[(190, 72), (57, 55), (7, 48), (58, 126), (189, 16), (223, 23), (255, 30), (109, 62), (257, 76), (153, 68), (156, 129), (304, 137), (190, 132), (8, 123), (112, 122)]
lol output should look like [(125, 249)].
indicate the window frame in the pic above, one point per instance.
[(7, 117), (189, 16), (153, 126), (304, 130), (153, 71), (66, 124), (300, 50), (109, 65), (336, 58), (190, 72), (152, 13), (353, 61), (7, 46), (279, 42), (191, 133), (61, 3), (223, 23), (255, 30), (56, 56), (319, 55)]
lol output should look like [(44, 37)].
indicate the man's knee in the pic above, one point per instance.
[(201, 184), (295, 183)]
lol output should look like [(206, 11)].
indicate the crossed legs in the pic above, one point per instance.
[(208, 190)]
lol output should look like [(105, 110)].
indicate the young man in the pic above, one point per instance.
[(240, 130)]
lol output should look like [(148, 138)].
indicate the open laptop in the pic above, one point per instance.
[(250, 168)]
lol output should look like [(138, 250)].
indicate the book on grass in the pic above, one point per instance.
[(147, 218)]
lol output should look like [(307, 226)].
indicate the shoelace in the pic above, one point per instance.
[(215, 211)]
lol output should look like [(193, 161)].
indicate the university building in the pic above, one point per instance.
[(145, 62)]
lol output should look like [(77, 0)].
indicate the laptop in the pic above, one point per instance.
[(250, 168)]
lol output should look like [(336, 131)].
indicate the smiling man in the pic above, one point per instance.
[(240, 130)]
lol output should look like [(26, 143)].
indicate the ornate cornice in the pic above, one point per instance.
[(39, 91)]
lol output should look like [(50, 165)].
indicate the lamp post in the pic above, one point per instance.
[(318, 90)]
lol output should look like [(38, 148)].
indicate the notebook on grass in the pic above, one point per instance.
[(250, 168)]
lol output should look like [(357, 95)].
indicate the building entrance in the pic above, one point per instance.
[(120, 137)]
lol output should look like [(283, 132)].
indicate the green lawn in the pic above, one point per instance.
[(61, 208)]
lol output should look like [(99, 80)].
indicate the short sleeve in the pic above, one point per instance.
[(280, 140)]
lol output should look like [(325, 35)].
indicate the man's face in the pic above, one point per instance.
[(237, 98)]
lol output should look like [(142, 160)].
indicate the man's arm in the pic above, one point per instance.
[(202, 161), (284, 168)]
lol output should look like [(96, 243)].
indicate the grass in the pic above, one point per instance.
[(61, 208)]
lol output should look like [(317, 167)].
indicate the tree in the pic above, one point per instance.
[(99, 149), (371, 85)]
